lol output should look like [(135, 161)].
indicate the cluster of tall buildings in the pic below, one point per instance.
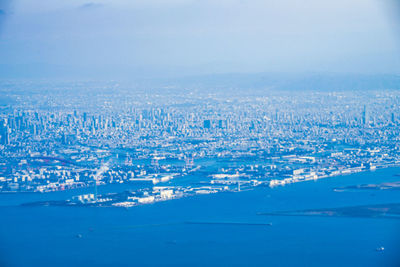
[(86, 128)]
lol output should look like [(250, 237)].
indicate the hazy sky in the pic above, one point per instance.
[(173, 37)]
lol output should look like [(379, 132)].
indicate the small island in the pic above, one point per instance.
[(385, 211)]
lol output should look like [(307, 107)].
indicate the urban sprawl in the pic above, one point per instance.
[(171, 143)]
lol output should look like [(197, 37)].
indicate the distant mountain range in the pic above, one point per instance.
[(319, 82), (244, 81)]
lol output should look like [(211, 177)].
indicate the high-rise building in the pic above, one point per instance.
[(365, 116), (207, 124), (4, 134)]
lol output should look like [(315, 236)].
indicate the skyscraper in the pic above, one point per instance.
[(207, 124)]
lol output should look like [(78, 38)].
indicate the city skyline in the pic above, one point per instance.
[(199, 133)]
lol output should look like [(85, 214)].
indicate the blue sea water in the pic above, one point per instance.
[(159, 234)]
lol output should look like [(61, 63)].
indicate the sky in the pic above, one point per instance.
[(118, 38)]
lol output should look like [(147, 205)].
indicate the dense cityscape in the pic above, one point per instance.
[(199, 133), (173, 145)]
